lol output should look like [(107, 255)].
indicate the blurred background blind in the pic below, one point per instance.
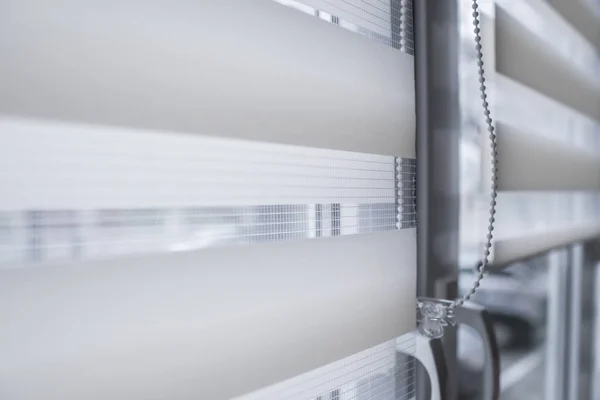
[(544, 78)]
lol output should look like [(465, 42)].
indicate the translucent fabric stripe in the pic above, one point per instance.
[(385, 371), (389, 22), (74, 192)]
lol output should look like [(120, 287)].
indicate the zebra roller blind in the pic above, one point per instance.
[(204, 199)]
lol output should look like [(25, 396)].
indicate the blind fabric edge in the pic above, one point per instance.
[(510, 250)]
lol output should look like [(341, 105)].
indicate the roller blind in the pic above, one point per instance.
[(205, 199), (546, 99)]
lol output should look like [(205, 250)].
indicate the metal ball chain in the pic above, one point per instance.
[(493, 145)]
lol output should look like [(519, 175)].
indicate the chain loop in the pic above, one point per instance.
[(494, 153)]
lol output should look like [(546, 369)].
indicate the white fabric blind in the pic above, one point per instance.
[(200, 199), (546, 101)]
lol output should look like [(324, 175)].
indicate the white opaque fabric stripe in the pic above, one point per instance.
[(531, 162), (182, 325), (232, 68)]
